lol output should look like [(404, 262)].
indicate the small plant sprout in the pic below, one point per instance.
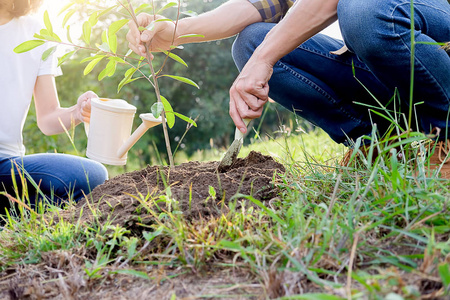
[(212, 194)]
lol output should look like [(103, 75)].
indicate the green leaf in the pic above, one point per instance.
[(68, 35), (175, 58), (182, 79), (127, 78), (28, 45), (38, 36), (65, 57), (102, 74), (130, 72), (212, 192), (104, 47), (142, 7), (184, 118), (168, 5), (170, 117), (105, 37), (124, 82), (46, 35), (163, 20), (93, 19), (444, 272), (106, 11), (112, 66), (48, 52), (129, 52), (91, 65), (191, 35), (112, 43), (47, 23), (132, 272), (69, 14), (109, 70), (149, 236), (90, 58), (56, 38), (87, 32), (115, 26), (66, 7), (117, 59), (157, 109), (233, 246)]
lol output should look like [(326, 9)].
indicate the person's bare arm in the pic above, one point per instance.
[(48, 111), (227, 20), (250, 90)]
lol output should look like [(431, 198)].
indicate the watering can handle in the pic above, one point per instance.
[(86, 128)]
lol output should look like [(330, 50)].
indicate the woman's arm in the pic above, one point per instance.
[(250, 90), (48, 111)]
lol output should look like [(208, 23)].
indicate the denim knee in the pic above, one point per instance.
[(247, 41), (363, 25)]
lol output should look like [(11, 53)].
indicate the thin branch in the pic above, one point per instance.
[(156, 86)]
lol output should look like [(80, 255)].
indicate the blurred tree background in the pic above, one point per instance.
[(210, 66)]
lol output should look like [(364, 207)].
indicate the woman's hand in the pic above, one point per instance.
[(159, 37), (83, 111)]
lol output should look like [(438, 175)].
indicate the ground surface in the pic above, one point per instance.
[(120, 199), (200, 191), (137, 200)]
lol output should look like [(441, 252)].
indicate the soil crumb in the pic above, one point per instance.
[(198, 188)]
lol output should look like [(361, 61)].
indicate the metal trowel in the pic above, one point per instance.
[(232, 152)]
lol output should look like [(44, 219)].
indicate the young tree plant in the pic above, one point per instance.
[(110, 19)]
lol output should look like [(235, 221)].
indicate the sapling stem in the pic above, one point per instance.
[(156, 86)]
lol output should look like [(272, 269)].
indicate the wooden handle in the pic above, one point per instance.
[(238, 134)]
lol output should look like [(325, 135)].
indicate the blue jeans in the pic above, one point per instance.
[(320, 86), (59, 176)]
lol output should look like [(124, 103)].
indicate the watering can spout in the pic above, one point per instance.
[(148, 121)]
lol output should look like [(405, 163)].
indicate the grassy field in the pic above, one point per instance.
[(377, 229)]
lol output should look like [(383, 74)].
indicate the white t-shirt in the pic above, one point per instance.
[(18, 74)]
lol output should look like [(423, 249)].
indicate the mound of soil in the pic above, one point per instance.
[(198, 188)]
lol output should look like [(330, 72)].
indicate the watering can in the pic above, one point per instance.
[(109, 130)]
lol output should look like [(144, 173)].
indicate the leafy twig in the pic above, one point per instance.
[(156, 86)]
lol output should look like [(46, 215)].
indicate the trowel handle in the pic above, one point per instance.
[(238, 134)]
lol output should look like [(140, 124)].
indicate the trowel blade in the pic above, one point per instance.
[(230, 156)]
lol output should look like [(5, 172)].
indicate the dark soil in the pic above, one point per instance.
[(124, 199)]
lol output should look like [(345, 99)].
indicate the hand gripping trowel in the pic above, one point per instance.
[(232, 152)]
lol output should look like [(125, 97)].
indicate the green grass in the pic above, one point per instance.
[(373, 231)]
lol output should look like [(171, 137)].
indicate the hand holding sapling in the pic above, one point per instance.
[(156, 33)]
